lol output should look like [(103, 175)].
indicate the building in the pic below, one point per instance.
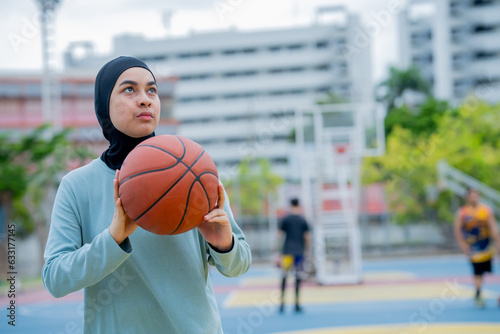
[(21, 106), (238, 90), (455, 44)]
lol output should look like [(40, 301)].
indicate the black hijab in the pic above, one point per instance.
[(119, 143)]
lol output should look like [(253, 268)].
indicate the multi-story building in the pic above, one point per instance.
[(238, 90), (456, 45), (21, 106)]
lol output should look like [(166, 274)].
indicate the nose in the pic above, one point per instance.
[(144, 100)]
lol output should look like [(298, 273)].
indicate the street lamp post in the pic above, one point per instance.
[(48, 8)]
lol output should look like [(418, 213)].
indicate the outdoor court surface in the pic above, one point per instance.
[(402, 296)]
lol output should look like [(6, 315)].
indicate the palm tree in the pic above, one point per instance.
[(399, 81)]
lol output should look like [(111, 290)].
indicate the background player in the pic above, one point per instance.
[(474, 229), (295, 230)]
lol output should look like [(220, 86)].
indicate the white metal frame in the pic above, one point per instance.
[(342, 170), (458, 182)]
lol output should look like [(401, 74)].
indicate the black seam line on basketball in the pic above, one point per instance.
[(198, 179), (185, 207), (189, 167), (205, 190), (149, 171), (170, 153), (178, 159), (180, 178)]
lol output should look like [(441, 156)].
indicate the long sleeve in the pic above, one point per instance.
[(237, 261), (71, 265)]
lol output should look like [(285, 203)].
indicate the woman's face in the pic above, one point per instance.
[(134, 105)]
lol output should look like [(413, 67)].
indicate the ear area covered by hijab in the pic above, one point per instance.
[(120, 144)]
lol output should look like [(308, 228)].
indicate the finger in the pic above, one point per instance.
[(219, 220), (118, 205), (115, 186), (222, 197), (214, 213)]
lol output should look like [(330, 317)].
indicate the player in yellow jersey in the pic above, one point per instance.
[(475, 227)]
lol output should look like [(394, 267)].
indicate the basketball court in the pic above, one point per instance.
[(401, 296)]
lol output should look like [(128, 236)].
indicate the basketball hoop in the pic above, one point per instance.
[(341, 148)]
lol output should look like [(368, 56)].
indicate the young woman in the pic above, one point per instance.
[(134, 281)]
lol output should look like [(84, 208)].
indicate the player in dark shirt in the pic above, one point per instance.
[(296, 232)]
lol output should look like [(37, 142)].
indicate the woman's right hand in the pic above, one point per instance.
[(122, 225)]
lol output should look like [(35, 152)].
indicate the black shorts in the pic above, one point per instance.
[(481, 267)]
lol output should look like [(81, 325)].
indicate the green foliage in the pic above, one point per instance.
[(392, 89), (423, 120), (255, 180), (468, 138), (29, 166)]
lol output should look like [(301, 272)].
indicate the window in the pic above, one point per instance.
[(322, 44), (484, 55), (279, 161), (487, 81), (275, 70), (425, 58), (294, 47), (9, 90), (322, 67), (249, 51), (189, 99), (274, 48), (234, 96), (189, 77), (324, 89), (204, 54), (482, 2), (421, 37), (287, 92), (235, 140), (481, 28), (153, 58), (184, 55), (341, 42), (239, 74)]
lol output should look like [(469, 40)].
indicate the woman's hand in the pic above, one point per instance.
[(216, 229), (122, 225)]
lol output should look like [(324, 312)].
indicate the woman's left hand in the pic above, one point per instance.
[(216, 228)]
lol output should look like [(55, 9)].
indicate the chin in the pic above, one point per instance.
[(142, 133)]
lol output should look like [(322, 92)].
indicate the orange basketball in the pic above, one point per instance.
[(167, 184)]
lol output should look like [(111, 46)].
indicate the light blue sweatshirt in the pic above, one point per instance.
[(150, 283)]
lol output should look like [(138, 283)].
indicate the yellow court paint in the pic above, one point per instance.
[(378, 276), (384, 276), (355, 293), (454, 328)]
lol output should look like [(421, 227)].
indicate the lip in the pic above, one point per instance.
[(145, 115)]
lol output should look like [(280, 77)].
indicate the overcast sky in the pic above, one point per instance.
[(98, 21)]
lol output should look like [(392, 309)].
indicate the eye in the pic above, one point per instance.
[(152, 90), (128, 90)]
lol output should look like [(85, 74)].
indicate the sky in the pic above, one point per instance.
[(98, 21)]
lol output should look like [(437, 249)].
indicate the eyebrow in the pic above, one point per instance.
[(131, 82)]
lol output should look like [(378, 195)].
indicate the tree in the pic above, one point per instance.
[(392, 89), (252, 185), (421, 120), (467, 138), (30, 168)]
